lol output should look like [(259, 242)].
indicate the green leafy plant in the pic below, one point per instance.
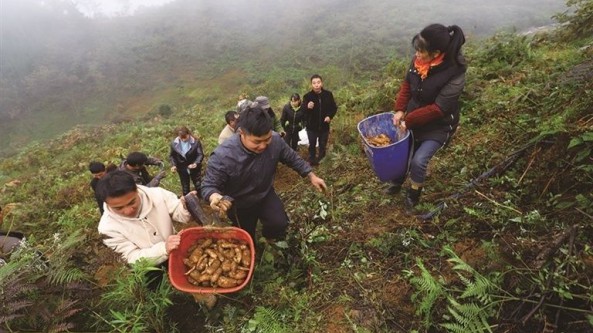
[(29, 285), (132, 306), (468, 309)]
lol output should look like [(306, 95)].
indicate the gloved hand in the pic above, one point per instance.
[(219, 204)]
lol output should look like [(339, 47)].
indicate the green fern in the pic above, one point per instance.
[(62, 270), (429, 290), (477, 285), (266, 320), (468, 309), (469, 318)]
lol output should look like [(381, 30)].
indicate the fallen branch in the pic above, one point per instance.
[(498, 204), (549, 250), (498, 169), (533, 156)]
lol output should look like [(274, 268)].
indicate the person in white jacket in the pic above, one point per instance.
[(138, 221)]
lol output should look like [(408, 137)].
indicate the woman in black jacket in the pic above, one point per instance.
[(291, 120), (428, 100), (186, 157)]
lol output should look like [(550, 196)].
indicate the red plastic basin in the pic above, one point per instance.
[(189, 237)]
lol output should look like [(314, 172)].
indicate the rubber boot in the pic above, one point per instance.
[(393, 189), (412, 199)]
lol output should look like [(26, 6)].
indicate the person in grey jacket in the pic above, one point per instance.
[(186, 156), (242, 170)]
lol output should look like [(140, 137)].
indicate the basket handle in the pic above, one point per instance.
[(368, 150)]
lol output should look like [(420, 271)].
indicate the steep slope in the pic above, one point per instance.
[(514, 245)]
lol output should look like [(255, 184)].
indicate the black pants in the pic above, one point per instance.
[(292, 139), (313, 137), (185, 175), (270, 211)]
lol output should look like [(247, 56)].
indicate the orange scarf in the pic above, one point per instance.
[(423, 66)]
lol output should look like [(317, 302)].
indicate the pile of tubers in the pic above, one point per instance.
[(222, 263), (379, 140)]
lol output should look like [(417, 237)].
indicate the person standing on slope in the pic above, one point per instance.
[(428, 101), (319, 110)]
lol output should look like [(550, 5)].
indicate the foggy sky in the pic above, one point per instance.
[(60, 56), (112, 8)]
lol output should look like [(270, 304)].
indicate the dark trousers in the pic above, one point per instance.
[(185, 175), (292, 139), (314, 137), (269, 211)]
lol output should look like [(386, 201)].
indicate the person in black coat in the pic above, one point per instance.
[(428, 100), (135, 164), (291, 120), (98, 170), (186, 157), (319, 109)]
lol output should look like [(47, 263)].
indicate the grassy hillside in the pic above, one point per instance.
[(509, 251), (59, 68)]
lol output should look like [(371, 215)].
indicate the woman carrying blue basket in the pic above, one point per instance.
[(428, 101)]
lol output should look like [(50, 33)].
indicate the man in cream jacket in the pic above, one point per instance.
[(138, 220)]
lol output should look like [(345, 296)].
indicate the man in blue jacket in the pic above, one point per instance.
[(243, 167), (319, 109)]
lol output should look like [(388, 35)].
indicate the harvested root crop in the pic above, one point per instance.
[(217, 263), (379, 140)]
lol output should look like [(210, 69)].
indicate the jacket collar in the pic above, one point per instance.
[(191, 140)]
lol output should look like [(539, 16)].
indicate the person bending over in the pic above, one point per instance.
[(138, 221), (242, 169)]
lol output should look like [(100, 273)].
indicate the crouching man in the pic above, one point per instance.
[(138, 221)]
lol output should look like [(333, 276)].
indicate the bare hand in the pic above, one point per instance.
[(397, 118), (310, 105), (219, 205), (192, 166), (173, 169), (327, 120), (182, 199), (172, 243), (402, 126), (317, 182)]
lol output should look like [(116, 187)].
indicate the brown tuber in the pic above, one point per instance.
[(218, 263)]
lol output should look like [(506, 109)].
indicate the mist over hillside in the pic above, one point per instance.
[(59, 68)]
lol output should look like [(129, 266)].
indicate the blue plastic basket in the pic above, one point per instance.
[(389, 162)]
